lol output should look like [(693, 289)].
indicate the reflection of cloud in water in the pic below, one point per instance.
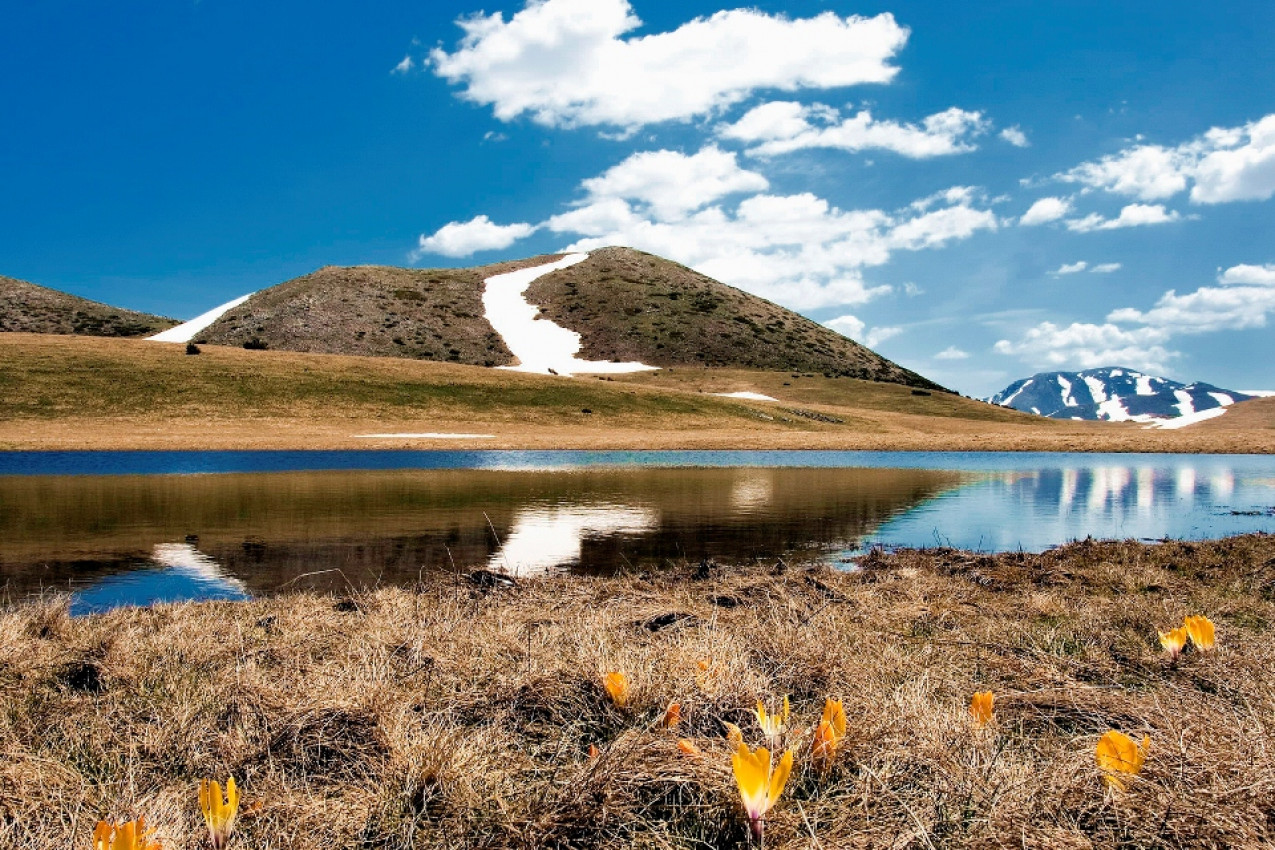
[(182, 573), (546, 537), (752, 490)]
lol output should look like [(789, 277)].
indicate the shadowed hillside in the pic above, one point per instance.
[(27, 308)]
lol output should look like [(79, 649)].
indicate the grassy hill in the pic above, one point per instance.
[(377, 311), (625, 304), (629, 305), (28, 308)]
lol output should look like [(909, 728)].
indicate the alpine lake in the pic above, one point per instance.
[(134, 528)]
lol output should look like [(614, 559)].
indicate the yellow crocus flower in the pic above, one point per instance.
[(1173, 640), (828, 735), (1200, 630), (617, 685), (981, 706), (760, 784), (1117, 754), (130, 835), (219, 812), (773, 725)]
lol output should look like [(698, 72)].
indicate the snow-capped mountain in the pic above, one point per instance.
[(1116, 394)]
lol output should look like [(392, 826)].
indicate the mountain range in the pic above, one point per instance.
[(1115, 394)]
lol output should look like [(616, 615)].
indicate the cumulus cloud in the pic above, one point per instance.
[(1071, 268), (798, 250), (854, 328), (1015, 136), (1046, 210), (672, 183), (784, 126), (403, 67), (1243, 299), (1106, 268), (1133, 215), (952, 353), (568, 63), (462, 238), (1222, 165), (1242, 274)]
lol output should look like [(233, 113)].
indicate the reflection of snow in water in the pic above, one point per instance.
[(753, 489), (546, 537), (182, 573), (185, 559), (1171, 498)]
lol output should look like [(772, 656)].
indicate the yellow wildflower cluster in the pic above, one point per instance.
[(219, 814)]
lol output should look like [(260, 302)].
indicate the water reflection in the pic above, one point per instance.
[(141, 538), (1036, 509), (330, 530), (543, 538), (180, 573)]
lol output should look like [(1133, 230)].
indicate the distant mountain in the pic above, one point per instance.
[(1114, 394), (625, 304), (28, 308)]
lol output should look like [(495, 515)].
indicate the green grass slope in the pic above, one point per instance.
[(28, 308)]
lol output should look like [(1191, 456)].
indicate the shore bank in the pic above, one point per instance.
[(461, 713)]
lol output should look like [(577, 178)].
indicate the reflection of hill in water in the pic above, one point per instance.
[(268, 530)]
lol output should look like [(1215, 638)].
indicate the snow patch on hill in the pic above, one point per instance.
[(187, 331), (539, 345)]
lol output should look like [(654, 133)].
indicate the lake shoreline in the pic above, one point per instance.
[(319, 434), (461, 711)]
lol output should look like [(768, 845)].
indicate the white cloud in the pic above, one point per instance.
[(672, 183), (1015, 136), (1088, 346), (1245, 297), (462, 238), (1046, 210), (911, 290), (403, 67), (854, 328), (1222, 165), (565, 63), (1243, 300), (1133, 215), (876, 336), (1106, 268), (952, 353), (783, 126), (797, 250), (1071, 268), (1241, 274)]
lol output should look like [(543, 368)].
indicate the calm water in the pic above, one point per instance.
[(135, 527)]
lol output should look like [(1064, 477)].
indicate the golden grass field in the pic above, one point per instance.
[(63, 392), (453, 715)]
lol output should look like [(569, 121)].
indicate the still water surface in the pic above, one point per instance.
[(137, 527)]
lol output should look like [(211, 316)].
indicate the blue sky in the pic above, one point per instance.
[(977, 190)]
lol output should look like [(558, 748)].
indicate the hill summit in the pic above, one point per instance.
[(626, 305)]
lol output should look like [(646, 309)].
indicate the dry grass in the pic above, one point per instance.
[(447, 715)]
